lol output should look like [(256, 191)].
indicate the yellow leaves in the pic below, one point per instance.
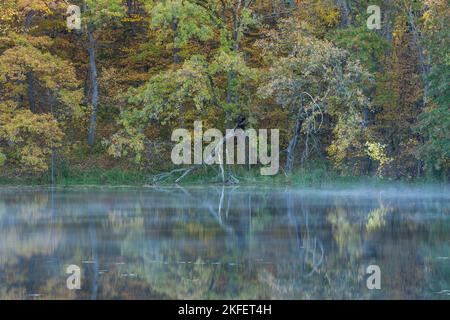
[(132, 18), (72, 99), (40, 42), (32, 157), (377, 152), (330, 16), (348, 145), (29, 139), (36, 5), (14, 12), (426, 16), (121, 144), (317, 16), (51, 74), (8, 15)]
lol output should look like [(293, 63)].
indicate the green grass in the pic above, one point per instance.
[(318, 176), (93, 176), (97, 176)]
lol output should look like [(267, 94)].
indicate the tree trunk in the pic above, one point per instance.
[(29, 75), (294, 141), (292, 145), (31, 98), (94, 85), (230, 96), (176, 49), (345, 12), (231, 93), (29, 20), (130, 12)]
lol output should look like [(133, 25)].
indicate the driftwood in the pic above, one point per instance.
[(226, 177)]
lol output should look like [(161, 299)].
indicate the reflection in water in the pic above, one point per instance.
[(223, 243)]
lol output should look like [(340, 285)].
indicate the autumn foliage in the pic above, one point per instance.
[(365, 102)]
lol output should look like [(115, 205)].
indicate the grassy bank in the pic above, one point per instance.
[(94, 176), (315, 176)]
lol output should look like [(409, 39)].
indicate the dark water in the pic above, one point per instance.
[(232, 243)]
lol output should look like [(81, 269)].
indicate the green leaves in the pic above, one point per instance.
[(164, 94), (163, 64), (101, 12), (365, 45), (184, 19), (313, 78), (2, 159), (434, 126)]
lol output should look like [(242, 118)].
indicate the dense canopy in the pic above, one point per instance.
[(357, 100)]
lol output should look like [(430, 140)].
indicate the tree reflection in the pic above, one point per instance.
[(220, 242)]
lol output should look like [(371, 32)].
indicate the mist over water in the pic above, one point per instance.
[(225, 242)]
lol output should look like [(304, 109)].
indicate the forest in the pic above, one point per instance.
[(98, 103)]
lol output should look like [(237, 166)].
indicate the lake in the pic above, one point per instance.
[(217, 242)]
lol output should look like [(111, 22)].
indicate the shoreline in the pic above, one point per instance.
[(307, 177)]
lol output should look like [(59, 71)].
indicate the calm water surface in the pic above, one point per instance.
[(224, 243)]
